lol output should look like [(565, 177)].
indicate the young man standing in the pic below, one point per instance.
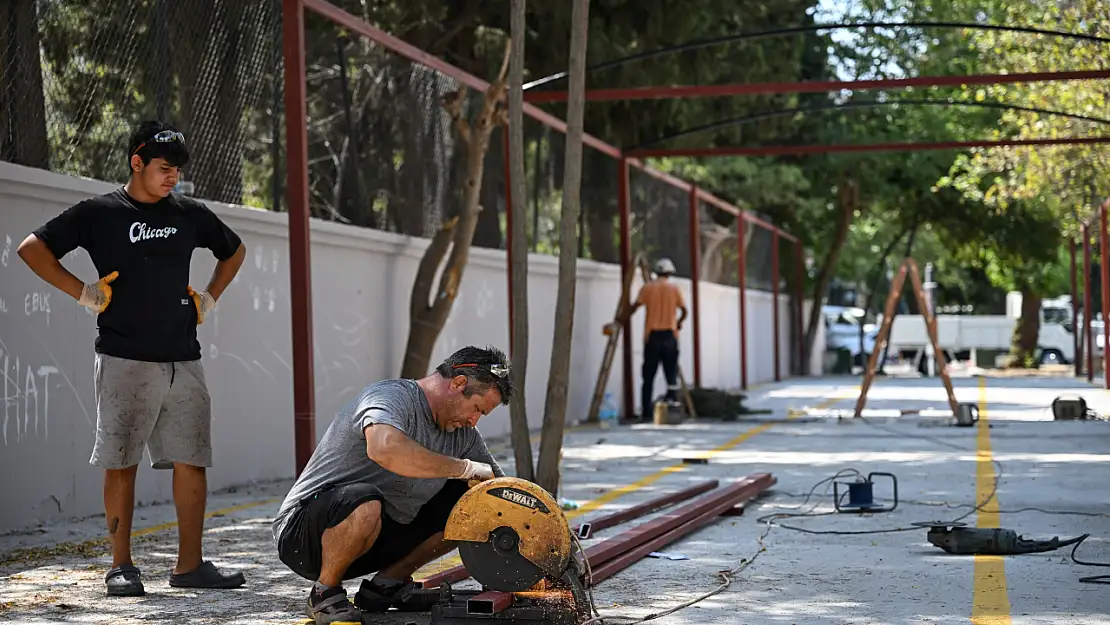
[(662, 299), (149, 383), (377, 491)]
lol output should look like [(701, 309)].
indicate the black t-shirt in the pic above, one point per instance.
[(151, 316)]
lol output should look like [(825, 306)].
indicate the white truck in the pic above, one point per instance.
[(958, 334)]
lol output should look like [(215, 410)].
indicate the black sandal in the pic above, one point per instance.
[(124, 581), (207, 576)]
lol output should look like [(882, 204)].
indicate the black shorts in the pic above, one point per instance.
[(299, 545)]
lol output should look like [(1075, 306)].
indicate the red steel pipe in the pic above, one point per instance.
[(695, 279), (799, 306), (585, 530), (300, 261), (489, 603), (611, 567), (815, 86), (770, 150), (1088, 340), (610, 556), (775, 301), (623, 209), (1104, 250), (1077, 365), (742, 282)]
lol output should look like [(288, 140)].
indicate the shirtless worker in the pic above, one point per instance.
[(149, 383), (376, 493), (662, 299)]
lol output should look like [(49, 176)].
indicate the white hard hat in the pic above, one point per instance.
[(664, 267)]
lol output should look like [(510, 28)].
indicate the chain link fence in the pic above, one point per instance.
[(78, 75), (659, 221)]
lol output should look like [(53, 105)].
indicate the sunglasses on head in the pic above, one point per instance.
[(166, 136), (500, 371)]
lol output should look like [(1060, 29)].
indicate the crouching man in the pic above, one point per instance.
[(377, 491)]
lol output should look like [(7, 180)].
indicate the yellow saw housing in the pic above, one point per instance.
[(521, 505)]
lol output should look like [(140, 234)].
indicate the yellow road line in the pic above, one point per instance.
[(453, 560), (990, 602)]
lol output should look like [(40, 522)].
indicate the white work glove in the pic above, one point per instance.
[(476, 471), (97, 295), (205, 303)]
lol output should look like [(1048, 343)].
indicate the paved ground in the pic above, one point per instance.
[(893, 577)]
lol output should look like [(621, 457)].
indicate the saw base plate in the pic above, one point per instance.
[(452, 610)]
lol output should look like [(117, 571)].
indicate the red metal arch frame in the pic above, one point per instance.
[(293, 52)]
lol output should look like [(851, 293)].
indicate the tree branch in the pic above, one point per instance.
[(429, 263)]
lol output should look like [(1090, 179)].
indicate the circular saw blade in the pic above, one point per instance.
[(498, 564)]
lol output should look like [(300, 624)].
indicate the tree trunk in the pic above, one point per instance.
[(1023, 352), (23, 138), (555, 407), (848, 197), (426, 319), (518, 265)]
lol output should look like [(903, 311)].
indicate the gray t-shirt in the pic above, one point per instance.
[(341, 458)]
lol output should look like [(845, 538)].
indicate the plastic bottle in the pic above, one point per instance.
[(608, 413)]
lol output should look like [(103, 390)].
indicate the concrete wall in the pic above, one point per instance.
[(361, 283)]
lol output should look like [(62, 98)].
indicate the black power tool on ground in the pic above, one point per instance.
[(959, 539)]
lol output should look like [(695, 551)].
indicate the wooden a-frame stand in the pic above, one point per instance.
[(908, 265)]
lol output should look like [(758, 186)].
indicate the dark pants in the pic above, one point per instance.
[(661, 347), (299, 546)]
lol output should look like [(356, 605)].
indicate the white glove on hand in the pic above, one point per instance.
[(476, 471), (97, 295), (205, 303)]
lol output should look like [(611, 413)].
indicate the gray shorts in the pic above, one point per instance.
[(162, 405)]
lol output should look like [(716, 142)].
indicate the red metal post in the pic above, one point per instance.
[(1076, 332), (300, 275), (624, 210), (775, 299), (1087, 339), (508, 228), (812, 86), (799, 306), (742, 283), (695, 280), (776, 150), (1104, 250)]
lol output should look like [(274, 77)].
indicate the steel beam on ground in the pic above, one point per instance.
[(772, 150), (718, 500), (587, 529), (617, 553), (814, 86), (300, 261)]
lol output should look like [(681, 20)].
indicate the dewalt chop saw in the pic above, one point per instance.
[(515, 540)]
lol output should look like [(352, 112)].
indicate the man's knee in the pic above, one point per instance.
[(365, 520)]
